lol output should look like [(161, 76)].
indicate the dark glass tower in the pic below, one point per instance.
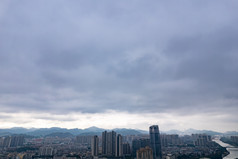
[(155, 142)]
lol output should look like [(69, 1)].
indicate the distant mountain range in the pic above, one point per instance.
[(56, 131), (193, 131), (63, 132)]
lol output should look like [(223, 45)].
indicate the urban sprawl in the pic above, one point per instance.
[(111, 145)]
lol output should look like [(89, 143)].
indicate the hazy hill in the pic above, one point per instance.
[(231, 133), (127, 131), (192, 131), (97, 131), (54, 130), (46, 131), (16, 130), (93, 129), (208, 132), (60, 135)]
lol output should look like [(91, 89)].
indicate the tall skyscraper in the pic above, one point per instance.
[(94, 145), (104, 143), (109, 143), (155, 142), (119, 148)]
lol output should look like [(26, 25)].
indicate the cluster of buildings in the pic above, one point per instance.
[(188, 146), (234, 139), (201, 139), (11, 141), (110, 145)]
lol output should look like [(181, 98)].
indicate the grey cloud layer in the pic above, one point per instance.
[(136, 56)]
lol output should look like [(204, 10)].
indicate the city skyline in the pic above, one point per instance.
[(120, 64)]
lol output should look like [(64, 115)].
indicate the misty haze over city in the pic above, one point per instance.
[(119, 64)]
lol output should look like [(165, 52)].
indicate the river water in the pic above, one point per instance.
[(233, 150)]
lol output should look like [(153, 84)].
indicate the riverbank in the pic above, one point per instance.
[(233, 151), (228, 141)]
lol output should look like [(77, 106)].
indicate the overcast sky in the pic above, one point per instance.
[(130, 64)]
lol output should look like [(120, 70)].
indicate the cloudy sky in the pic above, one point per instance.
[(109, 64)]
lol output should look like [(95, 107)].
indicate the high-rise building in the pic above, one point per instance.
[(12, 141), (94, 145), (155, 142), (201, 139), (126, 148), (109, 143), (234, 139), (104, 143), (17, 141), (119, 148), (170, 140), (7, 141)]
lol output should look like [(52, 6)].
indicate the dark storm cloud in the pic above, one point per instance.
[(60, 57)]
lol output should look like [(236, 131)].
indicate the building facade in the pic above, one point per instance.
[(111, 144), (155, 142), (139, 143), (119, 148), (94, 145), (144, 153)]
